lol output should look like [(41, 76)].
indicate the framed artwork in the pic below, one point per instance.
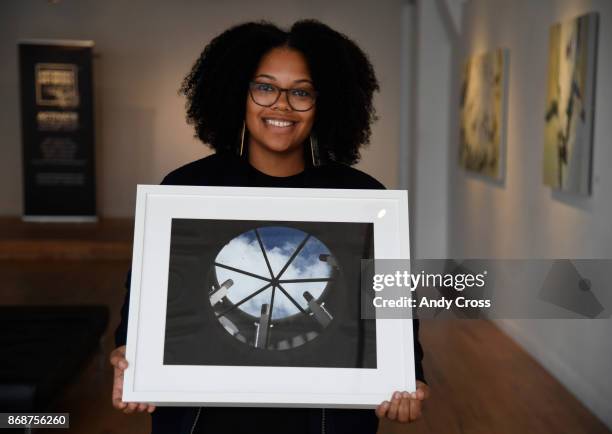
[(57, 84), (483, 113), (246, 296), (568, 136)]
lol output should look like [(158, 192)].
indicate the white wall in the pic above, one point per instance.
[(522, 218), (144, 49), (430, 132)]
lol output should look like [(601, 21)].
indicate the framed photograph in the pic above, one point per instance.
[(244, 296)]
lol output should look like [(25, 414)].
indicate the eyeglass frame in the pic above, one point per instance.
[(281, 90)]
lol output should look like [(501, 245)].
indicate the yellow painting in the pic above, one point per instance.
[(569, 105), (482, 113)]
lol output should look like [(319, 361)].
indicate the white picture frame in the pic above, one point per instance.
[(148, 379)]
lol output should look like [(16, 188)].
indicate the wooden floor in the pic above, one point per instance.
[(481, 381)]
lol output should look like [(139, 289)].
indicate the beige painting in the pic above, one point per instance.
[(482, 113), (569, 105)]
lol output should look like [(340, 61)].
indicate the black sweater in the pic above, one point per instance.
[(229, 170)]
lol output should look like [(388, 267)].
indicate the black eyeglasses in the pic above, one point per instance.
[(266, 95)]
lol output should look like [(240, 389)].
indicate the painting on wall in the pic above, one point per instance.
[(482, 113), (569, 105)]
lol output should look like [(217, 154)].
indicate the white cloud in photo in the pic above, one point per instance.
[(244, 253)]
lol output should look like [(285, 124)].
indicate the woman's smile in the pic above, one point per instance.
[(279, 125)]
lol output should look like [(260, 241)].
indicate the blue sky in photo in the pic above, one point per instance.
[(243, 252)]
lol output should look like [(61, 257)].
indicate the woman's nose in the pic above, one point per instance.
[(283, 101)]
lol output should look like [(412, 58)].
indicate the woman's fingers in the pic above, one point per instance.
[(415, 409), (403, 414), (131, 407), (394, 407), (381, 410), (404, 407), (422, 391), (117, 358), (117, 401), (118, 390)]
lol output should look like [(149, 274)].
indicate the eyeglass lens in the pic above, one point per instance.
[(266, 95)]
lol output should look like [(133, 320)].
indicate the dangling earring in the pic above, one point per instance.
[(314, 151), (242, 139)]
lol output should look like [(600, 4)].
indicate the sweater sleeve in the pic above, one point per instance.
[(121, 331), (419, 373)]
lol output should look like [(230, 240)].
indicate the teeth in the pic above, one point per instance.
[(278, 123)]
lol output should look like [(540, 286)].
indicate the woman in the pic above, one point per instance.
[(281, 109)]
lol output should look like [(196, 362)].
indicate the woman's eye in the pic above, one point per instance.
[(262, 87), (300, 93)]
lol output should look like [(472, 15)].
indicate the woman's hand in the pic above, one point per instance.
[(117, 359), (404, 407)]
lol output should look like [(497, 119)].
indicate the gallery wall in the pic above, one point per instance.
[(520, 217), (429, 122), (143, 50)]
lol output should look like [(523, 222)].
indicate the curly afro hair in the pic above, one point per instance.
[(217, 86)]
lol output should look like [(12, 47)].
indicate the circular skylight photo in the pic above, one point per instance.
[(268, 287)]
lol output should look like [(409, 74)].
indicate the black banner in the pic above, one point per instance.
[(57, 130)]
